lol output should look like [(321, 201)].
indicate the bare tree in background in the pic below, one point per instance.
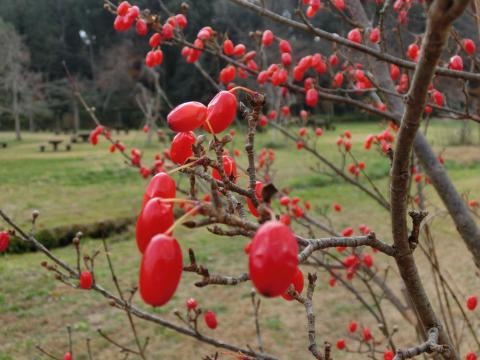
[(15, 79)]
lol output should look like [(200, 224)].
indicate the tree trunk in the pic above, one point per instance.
[(31, 121), (76, 117), (16, 112)]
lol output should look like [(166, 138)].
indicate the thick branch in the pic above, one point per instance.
[(438, 26), (355, 241), (429, 346)]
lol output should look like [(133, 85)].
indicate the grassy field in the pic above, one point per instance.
[(89, 184)]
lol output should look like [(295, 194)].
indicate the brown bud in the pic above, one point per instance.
[(184, 7), (76, 241), (112, 302), (226, 139), (44, 264), (35, 214), (58, 277)]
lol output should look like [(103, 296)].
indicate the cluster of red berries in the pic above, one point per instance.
[(293, 208), (366, 336), (345, 140), (384, 139), (135, 154), (128, 14)]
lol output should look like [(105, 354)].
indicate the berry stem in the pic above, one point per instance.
[(247, 90), (182, 218), (176, 200), (182, 167)]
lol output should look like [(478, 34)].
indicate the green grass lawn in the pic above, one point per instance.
[(89, 184)]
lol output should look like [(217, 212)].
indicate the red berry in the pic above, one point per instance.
[(229, 167), (181, 21), (469, 46), (155, 40), (133, 13), (341, 344), (311, 98), (67, 356), (187, 116), (368, 260), (284, 218), (220, 112), (228, 47), (347, 231), (93, 138), (333, 59), (158, 56), (210, 319), (304, 115), (285, 47), (355, 36), (338, 79), (367, 335), (167, 31), (352, 327), (86, 280), (471, 356), (332, 281), (388, 355), (162, 186), (350, 261), (456, 63), (394, 72), (273, 258), (337, 207), (142, 28), (160, 270), (150, 59), (340, 4), (181, 148), (297, 282), (258, 194), (412, 52), (438, 97), (375, 35), (228, 74), (4, 240), (318, 131), (263, 121), (472, 302), (191, 304), (155, 218), (123, 8), (284, 200), (267, 38), (239, 50)]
